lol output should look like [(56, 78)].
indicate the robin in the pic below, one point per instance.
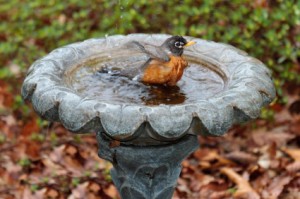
[(163, 64)]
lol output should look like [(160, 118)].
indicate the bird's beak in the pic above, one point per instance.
[(190, 43)]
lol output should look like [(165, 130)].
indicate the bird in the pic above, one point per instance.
[(161, 65)]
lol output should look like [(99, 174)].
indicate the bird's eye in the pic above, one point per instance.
[(178, 44)]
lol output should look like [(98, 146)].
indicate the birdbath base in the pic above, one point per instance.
[(146, 172)]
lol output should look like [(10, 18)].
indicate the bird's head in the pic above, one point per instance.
[(176, 44)]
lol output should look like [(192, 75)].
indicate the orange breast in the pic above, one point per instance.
[(165, 72)]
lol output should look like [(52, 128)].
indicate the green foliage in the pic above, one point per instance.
[(75, 181), (106, 174), (267, 114), (232, 190), (53, 138), (37, 137), (2, 139), (24, 162), (34, 187), (30, 29)]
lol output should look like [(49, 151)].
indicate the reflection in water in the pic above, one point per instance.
[(161, 94), (197, 83)]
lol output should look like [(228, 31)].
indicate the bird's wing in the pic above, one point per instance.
[(140, 56), (135, 69), (154, 52), (157, 53)]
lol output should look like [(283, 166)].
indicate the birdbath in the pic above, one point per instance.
[(146, 131)]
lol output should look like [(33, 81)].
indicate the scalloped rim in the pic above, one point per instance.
[(249, 88)]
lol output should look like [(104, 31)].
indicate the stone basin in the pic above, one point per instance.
[(222, 86)]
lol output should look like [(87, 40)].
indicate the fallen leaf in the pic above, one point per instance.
[(32, 149), (51, 193), (295, 107), (283, 116), (261, 181), (94, 187), (212, 189), (30, 127), (264, 161), (80, 191), (111, 191), (294, 153), (213, 156), (70, 149), (241, 157), (276, 187), (220, 195), (295, 127), (291, 195), (262, 138), (244, 188), (293, 167)]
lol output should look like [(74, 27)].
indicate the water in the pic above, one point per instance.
[(197, 83)]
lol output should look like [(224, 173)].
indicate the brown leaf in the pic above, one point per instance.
[(212, 189), (56, 154), (80, 191), (276, 186), (111, 191), (293, 153), (70, 149), (51, 193), (283, 116), (278, 136), (6, 97), (30, 127), (295, 127), (198, 180), (241, 157), (32, 149), (261, 181), (291, 195), (295, 107), (9, 120), (244, 188), (12, 172), (94, 187), (182, 187), (220, 195), (293, 167), (214, 156), (294, 185)]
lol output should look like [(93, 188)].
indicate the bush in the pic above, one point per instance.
[(268, 31)]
